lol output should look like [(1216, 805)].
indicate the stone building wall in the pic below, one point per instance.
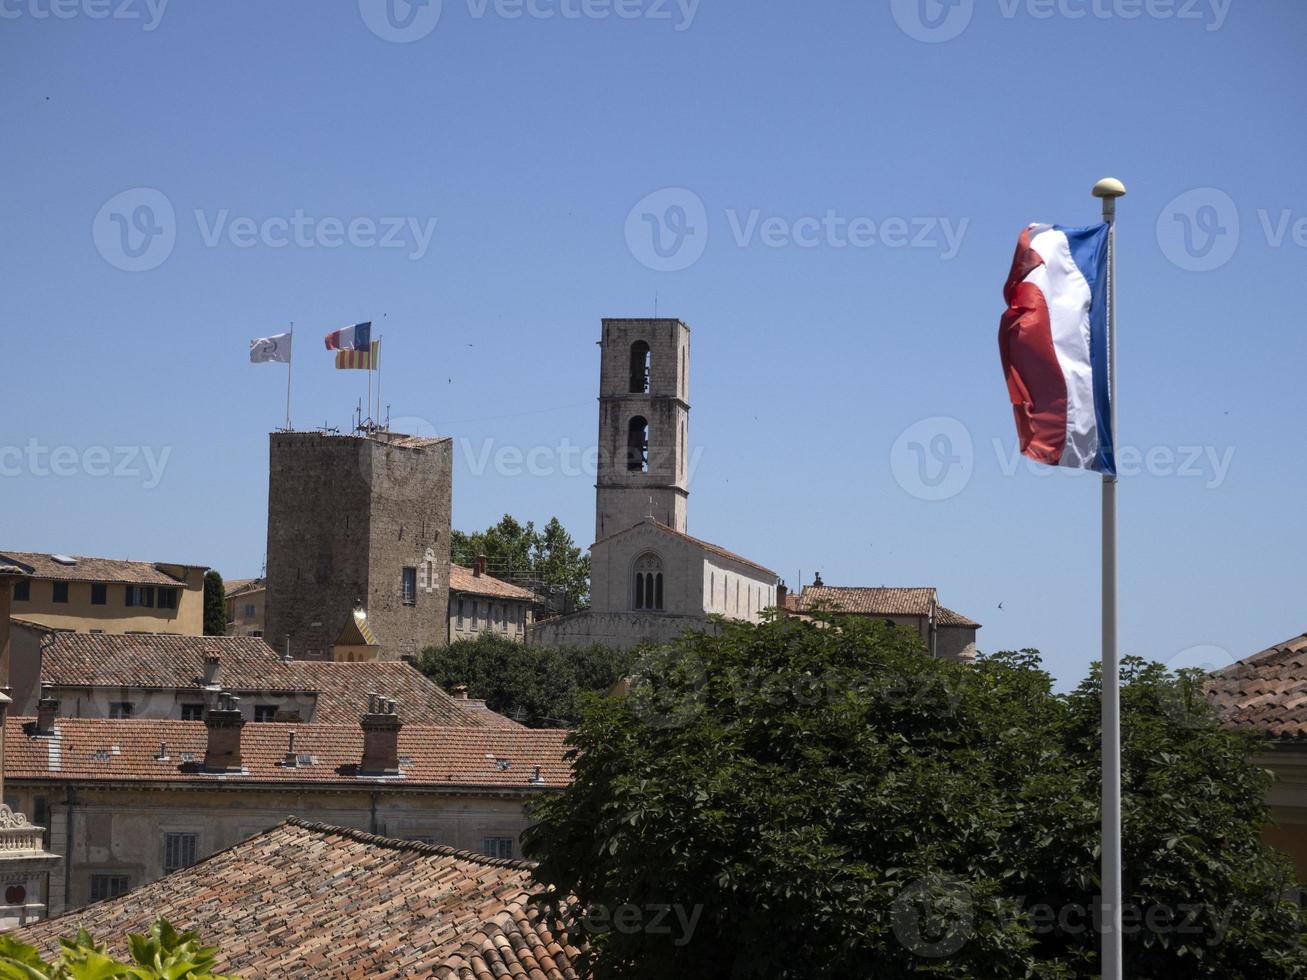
[(346, 515)]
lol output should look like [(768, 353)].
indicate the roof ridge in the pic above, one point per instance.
[(394, 843)]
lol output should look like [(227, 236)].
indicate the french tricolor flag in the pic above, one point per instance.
[(357, 337), (1053, 342)]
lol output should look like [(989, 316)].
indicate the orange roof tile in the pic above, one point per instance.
[(115, 750), (1266, 692), (464, 580), (86, 569), (307, 900), (881, 601), (247, 664)]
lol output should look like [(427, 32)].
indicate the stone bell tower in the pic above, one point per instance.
[(644, 418)]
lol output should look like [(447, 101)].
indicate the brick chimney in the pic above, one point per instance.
[(46, 710), (224, 722), (212, 668), (782, 593), (381, 727), (460, 692), (479, 566)]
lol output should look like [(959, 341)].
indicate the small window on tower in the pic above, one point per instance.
[(410, 586), (641, 367), (637, 445)]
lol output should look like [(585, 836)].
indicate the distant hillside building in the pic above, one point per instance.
[(650, 580), (245, 606), (943, 632), (106, 595), (358, 520), (481, 604)]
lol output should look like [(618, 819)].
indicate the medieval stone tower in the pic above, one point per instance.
[(644, 413), (361, 518)]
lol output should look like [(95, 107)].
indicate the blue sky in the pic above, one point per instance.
[(839, 188)]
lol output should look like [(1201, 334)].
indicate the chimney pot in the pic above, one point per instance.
[(460, 692), (211, 669), (381, 726), (46, 710), (222, 752), (291, 759), (479, 566), (781, 593)]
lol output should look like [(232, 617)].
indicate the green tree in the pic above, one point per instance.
[(215, 605), (160, 954), (549, 556), (540, 687), (824, 800)]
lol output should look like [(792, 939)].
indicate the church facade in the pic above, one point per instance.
[(650, 580)]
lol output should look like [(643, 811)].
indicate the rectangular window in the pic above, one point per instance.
[(60, 591), (99, 594), (497, 847), (140, 596), (460, 613), (410, 586), (193, 712), (23, 590), (476, 613), (265, 712), (107, 886), (249, 610), (167, 598), (179, 851), (121, 709)]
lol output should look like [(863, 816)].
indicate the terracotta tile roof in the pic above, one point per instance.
[(306, 900), (945, 616), (248, 664), (234, 587), (92, 569), (463, 580), (1266, 692), (870, 602), (112, 750), (705, 545)]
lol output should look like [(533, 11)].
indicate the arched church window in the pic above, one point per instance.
[(641, 368), (647, 584), (637, 445)]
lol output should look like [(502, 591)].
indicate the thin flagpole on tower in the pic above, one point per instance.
[(290, 367), (1109, 189)]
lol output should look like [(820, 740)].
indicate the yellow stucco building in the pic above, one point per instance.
[(106, 595)]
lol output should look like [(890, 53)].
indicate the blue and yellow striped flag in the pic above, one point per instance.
[(359, 360)]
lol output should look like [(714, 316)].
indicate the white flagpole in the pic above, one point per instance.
[(1109, 189), (290, 367)]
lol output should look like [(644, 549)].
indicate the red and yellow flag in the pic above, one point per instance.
[(359, 360)]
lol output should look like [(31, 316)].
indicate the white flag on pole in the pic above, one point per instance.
[(277, 348)]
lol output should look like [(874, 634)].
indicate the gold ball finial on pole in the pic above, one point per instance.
[(1109, 187)]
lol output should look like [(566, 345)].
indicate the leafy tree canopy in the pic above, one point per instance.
[(160, 954), (800, 800), (540, 687), (511, 548)]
